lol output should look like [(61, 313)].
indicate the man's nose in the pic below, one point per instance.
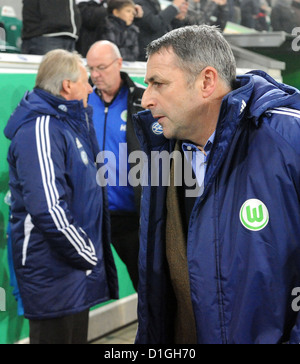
[(147, 100), (94, 73), (90, 89)]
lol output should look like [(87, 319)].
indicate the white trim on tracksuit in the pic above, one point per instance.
[(285, 111), (52, 196)]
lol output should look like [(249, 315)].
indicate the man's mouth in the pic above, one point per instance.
[(159, 118)]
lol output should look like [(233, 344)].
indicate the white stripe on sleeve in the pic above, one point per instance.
[(52, 196)]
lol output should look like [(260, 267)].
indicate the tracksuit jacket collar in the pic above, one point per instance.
[(38, 101)]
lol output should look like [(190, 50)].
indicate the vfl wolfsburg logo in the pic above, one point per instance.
[(157, 128), (254, 215)]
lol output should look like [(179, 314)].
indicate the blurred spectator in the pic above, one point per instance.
[(93, 13), (234, 7), (49, 24), (250, 11), (210, 12), (156, 22), (262, 22), (285, 15), (120, 30)]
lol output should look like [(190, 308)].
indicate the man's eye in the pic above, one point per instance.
[(157, 84)]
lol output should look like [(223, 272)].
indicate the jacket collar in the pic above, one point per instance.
[(61, 107), (39, 102)]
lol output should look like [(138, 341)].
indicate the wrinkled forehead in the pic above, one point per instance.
[(100, 55), (162, 64)]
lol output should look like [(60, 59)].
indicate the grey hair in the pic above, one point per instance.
[(57, 66), (197, 47)]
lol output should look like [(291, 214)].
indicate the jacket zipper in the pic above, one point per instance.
[(104, 128), (87, 122)]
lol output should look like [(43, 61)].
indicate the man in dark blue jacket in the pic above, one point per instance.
[(61, 249), (220, 243)]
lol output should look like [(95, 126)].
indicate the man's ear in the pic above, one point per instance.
[(66, 88), (208, 81), (120, 63)]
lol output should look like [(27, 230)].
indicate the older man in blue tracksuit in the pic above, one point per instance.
[(223, 265), (61, 248)]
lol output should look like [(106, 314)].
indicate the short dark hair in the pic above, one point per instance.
[(118, 4), (197, 47)]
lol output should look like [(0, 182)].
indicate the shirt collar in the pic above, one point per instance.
[(187, 146)]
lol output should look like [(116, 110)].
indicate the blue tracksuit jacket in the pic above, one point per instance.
[(243, 243), (59, 225)]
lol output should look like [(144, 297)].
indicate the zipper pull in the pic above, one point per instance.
[(87, 121)]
